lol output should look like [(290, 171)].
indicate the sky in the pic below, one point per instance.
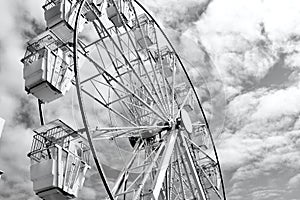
[(253, 78)]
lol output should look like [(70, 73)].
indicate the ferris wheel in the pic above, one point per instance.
[(132, 89)]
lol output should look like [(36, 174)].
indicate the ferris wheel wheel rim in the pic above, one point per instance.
[(199, 103)]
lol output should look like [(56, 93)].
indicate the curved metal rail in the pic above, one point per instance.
[(80, 102)]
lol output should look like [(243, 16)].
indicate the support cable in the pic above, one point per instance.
[(41, 112)]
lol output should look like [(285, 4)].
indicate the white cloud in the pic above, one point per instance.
[(261, 134), (294, 182), (276, 15), (16, 139), (276, 104)]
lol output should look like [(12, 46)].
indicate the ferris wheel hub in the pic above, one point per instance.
[(186, 121)]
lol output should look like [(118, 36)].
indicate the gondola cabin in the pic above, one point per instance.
[(60, 16), (144, 32), (118, 11), (48, 69), (165, 59), (59, 161), (181, 92), (201, 133)]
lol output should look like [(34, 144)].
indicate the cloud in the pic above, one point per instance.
[(16, 108), (15, 183), (260, 142), (265, 193), (245, 42), (294, 182), (182, 15), (261, 138)]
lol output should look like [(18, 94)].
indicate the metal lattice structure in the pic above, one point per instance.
[(131, 86)]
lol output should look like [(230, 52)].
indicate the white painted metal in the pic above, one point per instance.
[(60, 18), (48, 69), (194, 173), (164, 165), (135, 84), (58, 161), (144, 32)]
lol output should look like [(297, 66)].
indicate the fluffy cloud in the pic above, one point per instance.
[(294, 182), (259, 147), (260, 136), (16, 108)]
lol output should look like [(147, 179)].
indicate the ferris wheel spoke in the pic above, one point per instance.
[(127, 89), (147, 166), (130, 48), (164, 164), (173, 88), (160, 98), (213, 186), (91, 78), (122, 178), (166, 94), (112, 55), (138, 58), (121, 101), (168, 180), (162, 84), (191, 165), (187, 176), (158, 88), (164, 105), (141, 109), (189, 185), (127, 81), (108, 85), (134, 72), (120, 98), (179, 174), (99, 93), (162, 69), (204, 159), (147, 173), (115, 132), (199, 149), (109, 108)]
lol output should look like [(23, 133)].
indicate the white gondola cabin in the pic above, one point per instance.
[(144, 32), (118, 10), (181, 92), (165, 58), (201, 133), (59, 161), (48, 68), (60, 16)]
